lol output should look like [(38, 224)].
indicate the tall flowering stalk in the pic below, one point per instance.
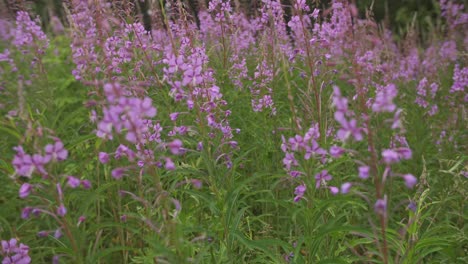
[(35, 171), (192, 82), (377, 162)]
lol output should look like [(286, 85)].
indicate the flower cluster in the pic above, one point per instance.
[(425, 95), (460, 80), (13, 253), (261, 89), (124, 114), (28, 33), (308, 147), (25, 164)]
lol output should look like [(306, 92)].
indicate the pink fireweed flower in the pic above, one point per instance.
[(390, 156), (364, 172), (123, 218), (334, 190), (348, 128), (295, 174), (296, 143), (118, 173), (81, 219), (345, 187), (169, 164), (113, 91), (26, 212), (73, 182), (380, 206), (25, 190), (315, 13), (22, 162), (86, 184), (174, 116), (103, 157), (410, 180), (43, 233), (197, 184), (58, 233), (289, 160), (39, 162), (336, 151), (13, 253), (301, 5), (341, 103), (314, 149), (404, 153), (176, 147), (55, 151), (321, 178), (192, 75), (299, 192), (200, 146), (61, 210), (123, 150)]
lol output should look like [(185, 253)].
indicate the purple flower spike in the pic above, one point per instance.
[(25, 190), (410, 180)]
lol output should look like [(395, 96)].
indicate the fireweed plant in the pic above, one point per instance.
[(248, 139)]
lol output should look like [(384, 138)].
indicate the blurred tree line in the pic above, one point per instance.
[(397, 15)]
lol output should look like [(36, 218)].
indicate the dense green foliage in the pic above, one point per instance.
[(242, 214)]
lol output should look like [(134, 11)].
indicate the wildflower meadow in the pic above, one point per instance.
[(293, 133)]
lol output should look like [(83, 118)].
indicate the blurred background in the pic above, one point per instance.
[(398, 15)]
